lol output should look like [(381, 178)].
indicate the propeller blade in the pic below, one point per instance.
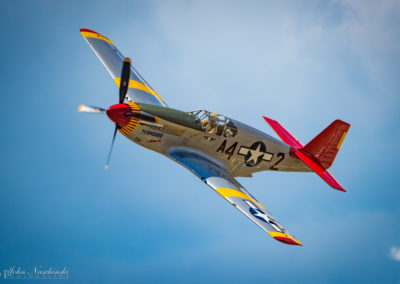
[(124, 84), (111, 148), (91, 109)]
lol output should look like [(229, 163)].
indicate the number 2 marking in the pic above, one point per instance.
[(280, 156)]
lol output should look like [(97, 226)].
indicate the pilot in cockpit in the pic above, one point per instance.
[(210, 123)]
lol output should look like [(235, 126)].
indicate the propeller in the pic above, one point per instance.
[(124, 84), (123, 89), (91, 109), (112, 144)]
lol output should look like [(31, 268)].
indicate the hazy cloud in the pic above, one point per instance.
[(275, 53), (395, 253)]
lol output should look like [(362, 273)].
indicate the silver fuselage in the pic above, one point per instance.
[(235, 154)]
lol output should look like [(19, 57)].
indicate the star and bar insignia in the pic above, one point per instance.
[(254, 154)]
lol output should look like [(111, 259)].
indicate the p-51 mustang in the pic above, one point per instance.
[(212, 146)]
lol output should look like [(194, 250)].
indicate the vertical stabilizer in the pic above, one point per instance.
[(325, 145)]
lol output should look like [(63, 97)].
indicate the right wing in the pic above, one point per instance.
[(112, 59), (216, 177)]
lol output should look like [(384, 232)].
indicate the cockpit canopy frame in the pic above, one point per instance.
[(215, 124)]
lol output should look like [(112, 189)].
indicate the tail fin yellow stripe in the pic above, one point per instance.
[(341, 140)]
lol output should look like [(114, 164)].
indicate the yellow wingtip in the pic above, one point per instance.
[(284, 238), (89, 33)]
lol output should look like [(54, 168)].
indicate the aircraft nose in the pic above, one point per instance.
[(117, 114)]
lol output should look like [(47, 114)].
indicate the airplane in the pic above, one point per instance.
[(212, 146)]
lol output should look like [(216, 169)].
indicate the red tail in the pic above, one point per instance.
[(325, 145), (320, 152)]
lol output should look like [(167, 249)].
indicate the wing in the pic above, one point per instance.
[(112, 59), (216, 177)]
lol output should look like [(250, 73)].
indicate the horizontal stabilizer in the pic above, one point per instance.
[(324, 174), (283, 133)]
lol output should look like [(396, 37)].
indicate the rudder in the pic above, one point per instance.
[(326, 144)]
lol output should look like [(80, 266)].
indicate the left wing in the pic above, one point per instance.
[(216, 177), (138, 89)]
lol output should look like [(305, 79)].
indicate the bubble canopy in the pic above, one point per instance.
[(216, 124)]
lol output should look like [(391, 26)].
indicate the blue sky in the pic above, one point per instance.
[(148, 220)]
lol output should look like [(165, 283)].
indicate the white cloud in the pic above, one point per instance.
[(395, 253), (286, 57)]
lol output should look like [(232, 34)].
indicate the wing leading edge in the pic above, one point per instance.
[(139, 90), (215, 176)]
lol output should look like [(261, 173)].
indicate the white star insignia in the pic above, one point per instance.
[(255, 154)]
